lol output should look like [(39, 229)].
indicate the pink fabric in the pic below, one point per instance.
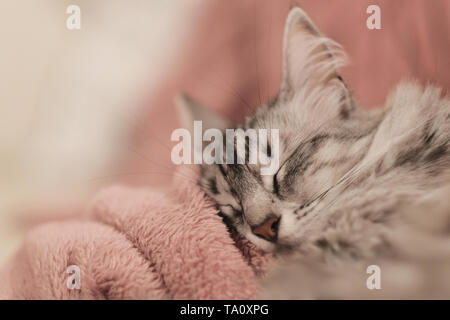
[(137, 244)]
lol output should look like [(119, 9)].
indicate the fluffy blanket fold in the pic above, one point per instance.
[(137, 244)]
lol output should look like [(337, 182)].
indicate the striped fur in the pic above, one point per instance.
[(348, 176)]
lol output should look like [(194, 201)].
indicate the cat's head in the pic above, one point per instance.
[(315, 114)]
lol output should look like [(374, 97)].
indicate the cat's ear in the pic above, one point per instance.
[(190, 110), (309, 58)]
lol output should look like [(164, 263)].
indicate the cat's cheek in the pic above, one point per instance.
[(288, 229)]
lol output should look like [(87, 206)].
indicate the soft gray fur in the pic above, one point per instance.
[(355, 187)]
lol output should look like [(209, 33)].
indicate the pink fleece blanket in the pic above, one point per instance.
[(137, 244)]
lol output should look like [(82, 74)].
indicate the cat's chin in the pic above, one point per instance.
[(266, 246), (262, 244), (274, 248)]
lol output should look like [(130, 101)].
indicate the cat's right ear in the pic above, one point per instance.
[(190, 110), (309, 58)]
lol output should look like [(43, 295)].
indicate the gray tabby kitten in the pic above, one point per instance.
[(350, 180)]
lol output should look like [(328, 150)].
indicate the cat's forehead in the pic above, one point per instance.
[(300, 112), (295, 121)]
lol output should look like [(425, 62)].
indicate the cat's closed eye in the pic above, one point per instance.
[(230, 211)]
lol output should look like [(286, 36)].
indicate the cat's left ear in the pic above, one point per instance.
[(309, 58), (190, 110)]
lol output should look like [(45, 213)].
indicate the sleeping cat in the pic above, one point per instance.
[(354, 185)]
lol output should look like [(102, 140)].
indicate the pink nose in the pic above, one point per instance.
[(268, 230)]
